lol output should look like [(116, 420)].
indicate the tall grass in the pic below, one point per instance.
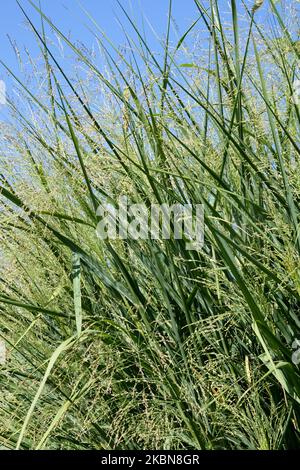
[(130, 344)]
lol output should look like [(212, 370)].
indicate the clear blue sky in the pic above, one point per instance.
[(69, 17)]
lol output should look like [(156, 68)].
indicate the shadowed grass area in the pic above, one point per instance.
[(143, 344)]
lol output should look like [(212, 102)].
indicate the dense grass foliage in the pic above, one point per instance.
[(132, 344)]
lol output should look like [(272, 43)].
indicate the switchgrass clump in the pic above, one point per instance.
[(143, 344)]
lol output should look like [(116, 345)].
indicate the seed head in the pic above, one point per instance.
[(257, 5)]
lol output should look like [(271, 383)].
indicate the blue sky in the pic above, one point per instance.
[(69, 17)]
